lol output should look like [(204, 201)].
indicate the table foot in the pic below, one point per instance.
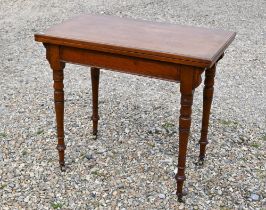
[(180, 195), (62, 167), (94, 125), (201, 160)]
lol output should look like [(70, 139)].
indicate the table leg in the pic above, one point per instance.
[(95, 75), (186, 88), (207, 101), (58, 77)]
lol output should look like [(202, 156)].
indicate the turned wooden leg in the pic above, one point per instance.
[(184, 129), (95, 74), (58, 77), (207, 101)]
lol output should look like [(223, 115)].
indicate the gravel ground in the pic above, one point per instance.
[(132, 162)]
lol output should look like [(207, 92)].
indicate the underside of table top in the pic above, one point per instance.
[(153, 40)]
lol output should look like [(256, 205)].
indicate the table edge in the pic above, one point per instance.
[(223, 48), (142, 53)]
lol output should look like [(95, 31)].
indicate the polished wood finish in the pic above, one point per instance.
[(207, 101), (157, 41), (121, 63), (58, 77), (187, 90), (159, 50), (95, 75)]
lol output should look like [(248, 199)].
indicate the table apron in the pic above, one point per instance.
[(121, 63)]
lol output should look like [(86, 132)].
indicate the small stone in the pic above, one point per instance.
[(1, 156), (89, 156), (26, 200), (220, 192), (101, 151), (244, 148), (166, 161), (93, 194), (158, 131), (162, 196), (231, 179), (181, 206), (175, 171), (126, 130), (255, 197), (152, 152), (12, 185), (120, 186)]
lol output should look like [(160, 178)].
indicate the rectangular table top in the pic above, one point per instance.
[(153, 40)]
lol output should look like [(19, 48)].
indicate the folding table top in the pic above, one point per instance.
[(153, 40)]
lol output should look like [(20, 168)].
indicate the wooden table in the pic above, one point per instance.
[(159, 50)]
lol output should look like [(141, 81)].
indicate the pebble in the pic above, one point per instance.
[(89, 156), (100, 151), (162, 196), (181, 206), (26, 199), (121, 186), (127, 130), (255, 197), (88, 178), (1, 156)]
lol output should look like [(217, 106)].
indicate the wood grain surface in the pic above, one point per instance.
[(158, 41)]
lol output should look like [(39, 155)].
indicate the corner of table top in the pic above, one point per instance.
[(38, 37), (220, 54)]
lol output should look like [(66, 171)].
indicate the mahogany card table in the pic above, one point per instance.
[(159, 50)]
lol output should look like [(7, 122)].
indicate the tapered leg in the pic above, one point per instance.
[(58, 77), (95, 75), (59, 110), (207, 101), (184, 129)]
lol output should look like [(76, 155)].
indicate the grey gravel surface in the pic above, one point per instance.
[(131, 165)]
